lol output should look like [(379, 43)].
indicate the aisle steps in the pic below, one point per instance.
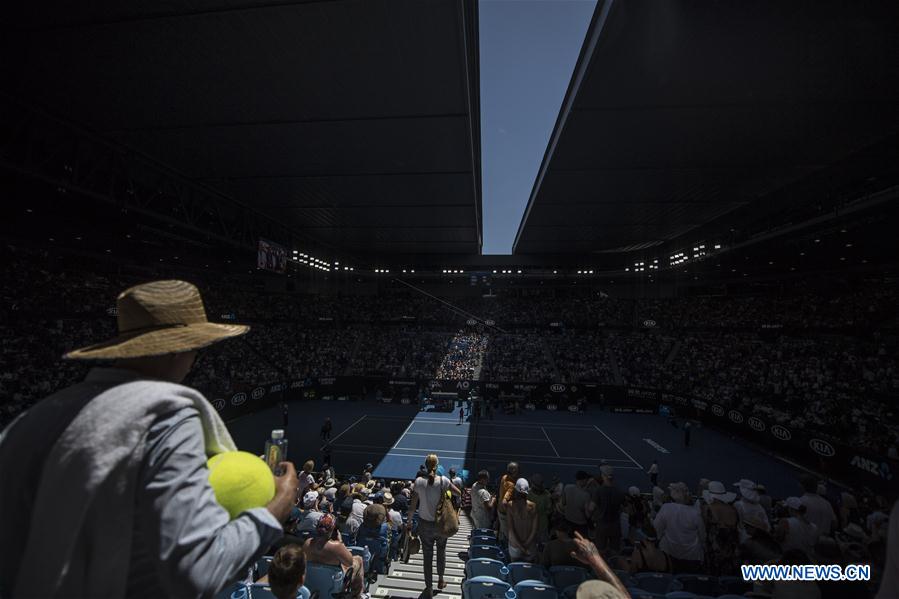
[(407, 580)]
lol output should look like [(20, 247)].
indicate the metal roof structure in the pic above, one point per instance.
[(679, 113), (356, 123)]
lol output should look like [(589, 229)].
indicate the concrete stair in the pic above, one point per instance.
[(407, 580)]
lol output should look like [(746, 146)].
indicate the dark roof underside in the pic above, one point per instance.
[(355, 122), (680, 112)]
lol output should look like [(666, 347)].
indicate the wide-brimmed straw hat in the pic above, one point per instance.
[(717, 490), (158, 318)]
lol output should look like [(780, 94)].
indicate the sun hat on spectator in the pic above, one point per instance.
[(159, 318), (748, 490), (717, 490), (329, 483), (309, 499), (370, 485), (388, 498), (633, 491)]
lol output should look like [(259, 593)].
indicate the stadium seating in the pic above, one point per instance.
[(656, 582), (481, 587), (699, 584), (323, 579), (535, 589), (486, 567), (488, 551), (521, 571), (566, 576)]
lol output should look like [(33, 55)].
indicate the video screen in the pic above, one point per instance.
[(271, 256)]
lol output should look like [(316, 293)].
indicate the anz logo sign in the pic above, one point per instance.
[(258, 392), (822, 447), (238, 399), (781, 433), (882, 469), (557, 388)]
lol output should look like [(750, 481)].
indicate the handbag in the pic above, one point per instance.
[(447, 520)]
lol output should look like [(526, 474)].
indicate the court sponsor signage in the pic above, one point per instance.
[(405, 401), (717, 410), (573, 408), (297, 384), (258, 393), (238, 399), (879, 469), (219, 404), (530, 406), (822, 447), (471, 322), (557, 388), (649, 323), (552, 407), (276, 388), (489, 322), (402, 383), (329, 380), (756, 424), (735, 417), (699, 404), (781, 432)]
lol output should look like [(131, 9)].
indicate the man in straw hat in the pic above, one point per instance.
[(112, 471)]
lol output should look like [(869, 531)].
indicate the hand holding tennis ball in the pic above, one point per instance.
[(242, 481)]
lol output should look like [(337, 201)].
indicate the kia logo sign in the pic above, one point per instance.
[(530, 406), (717, 410), (756, 424), (238, 399), (572, 408), (557, 388), (219, 404), (781, 433), (649, 323), (258, 392), (822, 447), (489, 322), (735, 416), (471, 322), (551, 407)]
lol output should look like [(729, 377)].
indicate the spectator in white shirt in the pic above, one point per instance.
[(818, 510), (482, 502), (748, 505), (681, 531), (307, 481), (796, 532)]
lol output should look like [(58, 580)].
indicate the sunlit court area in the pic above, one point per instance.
[(465, 299)]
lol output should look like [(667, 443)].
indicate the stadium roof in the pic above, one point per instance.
[(356, 122), (681, 112)]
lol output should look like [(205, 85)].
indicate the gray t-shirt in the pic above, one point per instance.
[(480, 496), (429, 496)]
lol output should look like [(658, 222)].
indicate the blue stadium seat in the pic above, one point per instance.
[(520, 571), (324, 579), (535, 589), (637, 593), (625, 577), (699, 584), (481, 587), (570, 592), (238, 590), (483, 532), (565, 576), (482, 540), (486, 567), (656, 582), (488, 551)]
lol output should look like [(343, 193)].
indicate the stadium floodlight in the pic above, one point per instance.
[(555, 272), (519, 272), (336, 263), (717, 246), (494, 272), (627, 269), (591, 272), (412, 271), (578, 272)]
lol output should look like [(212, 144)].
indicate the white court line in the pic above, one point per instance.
[(550, 442), (339, 449), (619, 447), (580, 427), (484, 459), (330, 441), (448, 435), (403, 435)]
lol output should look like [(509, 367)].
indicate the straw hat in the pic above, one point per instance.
[(717, 490), (158, 318)]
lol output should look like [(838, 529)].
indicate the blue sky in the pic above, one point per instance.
[(528, 50)]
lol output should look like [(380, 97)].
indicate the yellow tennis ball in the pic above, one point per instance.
[(241, 481)]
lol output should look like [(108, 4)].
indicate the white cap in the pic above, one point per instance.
[(310, 498), (522, 486), (793, 503), (278, 433)]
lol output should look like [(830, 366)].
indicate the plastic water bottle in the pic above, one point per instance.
[(276, 451)]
